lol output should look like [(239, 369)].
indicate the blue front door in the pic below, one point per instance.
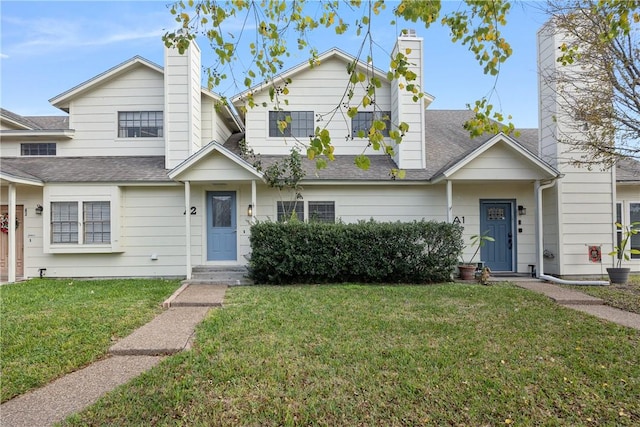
[(496, 218), (221, 226)]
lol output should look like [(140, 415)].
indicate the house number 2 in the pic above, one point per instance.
[(193, 211)]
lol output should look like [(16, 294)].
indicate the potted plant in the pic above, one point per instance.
[(619, 274), (468, 268)]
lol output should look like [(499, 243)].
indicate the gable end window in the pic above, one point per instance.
[(322, 212), (362, 121), (140, 124), (38, 149), (300, 124)]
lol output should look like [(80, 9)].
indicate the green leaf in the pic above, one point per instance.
[(362, 162)]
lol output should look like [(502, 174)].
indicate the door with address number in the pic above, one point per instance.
[(4, 241), (222, 234), (496, 218)]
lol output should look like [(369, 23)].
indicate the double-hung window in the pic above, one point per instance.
[(363, 120), (317, 211), (66, 223), (140, 124), (298, 124), (286, 210), (322, 212)]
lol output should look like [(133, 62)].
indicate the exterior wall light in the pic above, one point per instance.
[(522, 211), (250, 210), (39, 209)]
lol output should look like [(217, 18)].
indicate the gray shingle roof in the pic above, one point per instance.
[(628, 170), (88, 169), (50, 122)]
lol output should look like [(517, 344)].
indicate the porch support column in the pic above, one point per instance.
[(449, 201), (187, 218), (12, 261), (538, 188), (253, 200)]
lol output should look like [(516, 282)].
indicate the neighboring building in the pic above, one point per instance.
[(145, 176)]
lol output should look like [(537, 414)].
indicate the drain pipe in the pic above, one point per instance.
[(541, 275)]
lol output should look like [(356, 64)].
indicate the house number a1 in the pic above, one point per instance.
[(193, 211), (458, 220)]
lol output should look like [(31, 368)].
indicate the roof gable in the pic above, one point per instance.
[(305, 67), (504, 159), (62, 101), (234, 167)]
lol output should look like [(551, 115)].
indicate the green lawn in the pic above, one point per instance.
[(625, 297), (53, 327), (455, 354)]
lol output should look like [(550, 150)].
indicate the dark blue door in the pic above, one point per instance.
[(496, 218), (221, 226)]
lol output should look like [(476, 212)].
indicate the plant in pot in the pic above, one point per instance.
[(468, 268), (620, 274)]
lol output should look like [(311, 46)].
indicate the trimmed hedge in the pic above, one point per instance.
[(366, 252)]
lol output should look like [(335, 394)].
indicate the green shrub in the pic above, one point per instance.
[(369, 251)]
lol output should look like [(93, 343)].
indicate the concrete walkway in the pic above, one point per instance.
[(172, 331), (582, 302), (168, 333)]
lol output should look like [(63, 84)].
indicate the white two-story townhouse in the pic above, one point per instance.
[(147, 174)]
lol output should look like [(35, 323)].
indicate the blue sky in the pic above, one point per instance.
[(49, 47)]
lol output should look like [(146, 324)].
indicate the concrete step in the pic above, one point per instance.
[(197, 295)]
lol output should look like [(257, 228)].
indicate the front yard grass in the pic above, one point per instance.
[(53, 327), (625, 297), (456, 354)]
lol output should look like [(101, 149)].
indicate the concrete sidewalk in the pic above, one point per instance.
[(168, 333), (582, 302)]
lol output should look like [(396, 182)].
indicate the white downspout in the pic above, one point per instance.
[(539, 250), (449, 202)]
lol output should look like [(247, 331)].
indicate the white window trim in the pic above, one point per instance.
[(111, 195)]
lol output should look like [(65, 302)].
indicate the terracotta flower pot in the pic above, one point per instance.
[(467, 271)]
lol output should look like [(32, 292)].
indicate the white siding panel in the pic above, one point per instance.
[(94, 116), (319, 90)]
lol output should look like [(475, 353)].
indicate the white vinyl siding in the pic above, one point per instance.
[(316, 90), (94, 116)]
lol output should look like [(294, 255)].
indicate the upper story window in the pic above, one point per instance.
[(140, 124), (361, 123), (300, 124), (38, 149)]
